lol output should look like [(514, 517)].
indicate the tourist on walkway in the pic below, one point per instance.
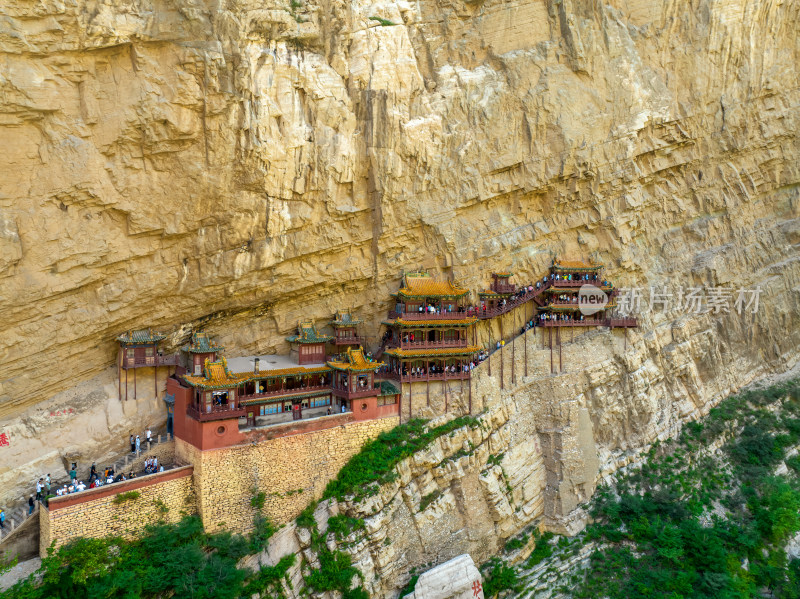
[(73, 474), (133, 445), (31, 505), (2, 518), (39, 487), (138, 443), (147, 434)]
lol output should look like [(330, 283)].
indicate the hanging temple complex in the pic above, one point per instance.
[(429, 336), (287, 423)]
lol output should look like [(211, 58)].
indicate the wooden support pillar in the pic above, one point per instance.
[(560, 368), (525, 341), (155, 377), (410, 404), (470, 393), (400, 403), (514, 353), (550, 339), (501, 351), (126, 384), (119, 375)]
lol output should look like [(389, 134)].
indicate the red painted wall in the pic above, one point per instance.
[(203, 435)]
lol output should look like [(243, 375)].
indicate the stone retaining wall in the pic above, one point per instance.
[(93, 513), (292, 471)]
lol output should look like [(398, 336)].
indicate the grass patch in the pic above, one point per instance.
[(126, 496), (429, 499)]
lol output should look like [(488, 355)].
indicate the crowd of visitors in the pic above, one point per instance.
[(97, 478)]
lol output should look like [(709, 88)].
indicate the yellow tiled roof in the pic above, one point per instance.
[(421, 353), (216, 375), (356, 361), (265, 374), (425, 286), (219, 377)]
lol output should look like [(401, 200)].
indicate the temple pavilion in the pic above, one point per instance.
[(308, 345), (430, 333), (563, 304), (356, 386), (139, 349), (200, 349), (500, 289), (345, 330)]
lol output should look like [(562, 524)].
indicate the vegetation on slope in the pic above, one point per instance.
[(169, 560), (361, 477), (181, 560), (692, 522), (374, 465)]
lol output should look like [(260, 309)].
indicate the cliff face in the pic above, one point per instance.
[(244, 164)]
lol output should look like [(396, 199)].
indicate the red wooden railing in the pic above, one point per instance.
[(421, 378), (433, 316), (433, 344), (349, 340), (138, 362), (216, 413), (361, 392)]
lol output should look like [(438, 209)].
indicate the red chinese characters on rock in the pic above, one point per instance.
[(476, 588), (4, 442), (62, 413)]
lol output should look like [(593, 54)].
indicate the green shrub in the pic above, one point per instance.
[(126, 496), (383, 22), (541, 551), (258, 499), (263, 529), (306, 517), (497, 577), (342, 525), (168, 560), (429, 499)]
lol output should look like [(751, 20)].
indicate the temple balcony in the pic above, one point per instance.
[(285, 392), (504, 288), (560, 304), (358, 393), (599, 322), (223, 412), (150, 361), (623, 322), (349, 341), (579, 284), (421, 378), (423, 316), (432, 344)]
